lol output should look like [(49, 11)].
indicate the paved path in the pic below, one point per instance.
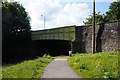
[(59, 68)]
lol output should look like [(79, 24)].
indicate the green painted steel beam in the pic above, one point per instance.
[(62, 33)]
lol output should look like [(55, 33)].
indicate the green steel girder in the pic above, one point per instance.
[(62, 33)]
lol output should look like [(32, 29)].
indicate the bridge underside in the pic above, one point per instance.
[(63, 33), (51, 47), (55, 41)]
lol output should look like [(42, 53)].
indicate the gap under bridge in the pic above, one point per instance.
[(56, 41)]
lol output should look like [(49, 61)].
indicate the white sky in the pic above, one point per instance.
[(58, 13)]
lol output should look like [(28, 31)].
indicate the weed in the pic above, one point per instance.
[(98, 65), (27, 69)]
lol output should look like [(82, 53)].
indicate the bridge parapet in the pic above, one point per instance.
[(62, 33)]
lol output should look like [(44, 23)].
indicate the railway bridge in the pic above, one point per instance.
[(106, 37), (55, 41), (62, 33)]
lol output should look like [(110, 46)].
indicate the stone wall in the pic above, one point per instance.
[(107, 37)]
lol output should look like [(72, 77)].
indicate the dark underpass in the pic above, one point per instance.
[(35, 49), (51, 47)]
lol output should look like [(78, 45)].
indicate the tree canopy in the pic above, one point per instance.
[(15, 19), (15, 31), (114, 11), (98, 19), (112, 14)]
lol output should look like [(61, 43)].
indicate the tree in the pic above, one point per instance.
[(15, 30), (114, 11), (98, 19), (112, 14), (15, 19)]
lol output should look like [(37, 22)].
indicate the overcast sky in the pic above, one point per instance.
[(59, 13)]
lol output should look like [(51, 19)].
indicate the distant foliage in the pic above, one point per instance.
[(112, 14), (98, 19), (114, 11)]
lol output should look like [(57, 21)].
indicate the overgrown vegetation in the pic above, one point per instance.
[(98, 65), (27, 69), (112, 14)]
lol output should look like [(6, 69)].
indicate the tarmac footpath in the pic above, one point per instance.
[(59, 68)]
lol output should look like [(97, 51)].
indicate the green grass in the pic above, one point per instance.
[(98, 65), (27, 69)]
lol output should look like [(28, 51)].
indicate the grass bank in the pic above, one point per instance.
[(98, 65), (27, 69)]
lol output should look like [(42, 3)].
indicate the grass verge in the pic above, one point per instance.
[(27, 69), (98, 65)]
